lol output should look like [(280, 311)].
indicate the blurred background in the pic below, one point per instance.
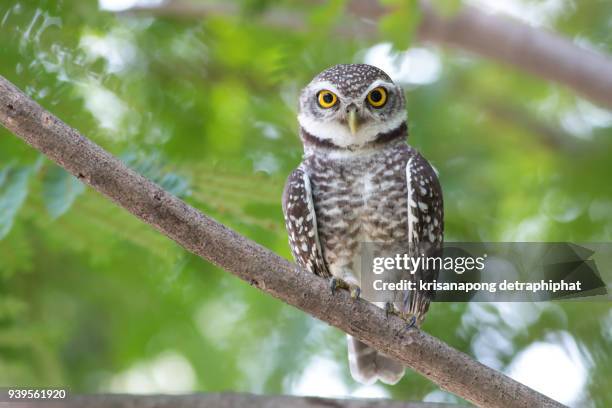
[(201, 97)]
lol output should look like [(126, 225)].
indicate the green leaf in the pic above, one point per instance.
[(327, 14), (399, 26), (175, 184), (60, 189), (11, 307), (447, 8), (153, 167), (13, 192)]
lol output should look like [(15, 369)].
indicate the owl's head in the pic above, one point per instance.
[(351, 106)]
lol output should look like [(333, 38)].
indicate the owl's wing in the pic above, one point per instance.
[(301, 223), (425, 226), (425, 206)]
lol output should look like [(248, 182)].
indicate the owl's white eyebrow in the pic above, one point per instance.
[(376, 84), (327, 86)]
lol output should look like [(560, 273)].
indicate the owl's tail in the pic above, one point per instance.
[(368, 365)]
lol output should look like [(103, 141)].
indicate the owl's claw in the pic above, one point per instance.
[(355, 291), (410, 319), (389, 309), (335, 283)]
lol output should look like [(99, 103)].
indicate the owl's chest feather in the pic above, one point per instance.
[(360, 200)]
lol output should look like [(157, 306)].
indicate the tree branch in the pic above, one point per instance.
[(450, 369), (499, 38), (221, 400), (535, 50), (273, 17)]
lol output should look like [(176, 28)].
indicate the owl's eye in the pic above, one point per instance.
[(327, 99), (377, 97)]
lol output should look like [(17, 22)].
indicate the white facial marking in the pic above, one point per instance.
[(338, 132)]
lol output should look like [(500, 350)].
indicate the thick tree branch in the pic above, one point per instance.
[(503, 39), (498, 38), (222, 400), (450, 369), (534, 50)]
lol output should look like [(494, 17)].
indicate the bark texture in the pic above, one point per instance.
[(452, 370), (221, 400)]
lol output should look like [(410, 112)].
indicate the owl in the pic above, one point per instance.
[(360, 181)]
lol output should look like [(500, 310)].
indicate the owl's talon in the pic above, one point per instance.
[(411, 319), (335, 283), (389, 309), (355, 291)]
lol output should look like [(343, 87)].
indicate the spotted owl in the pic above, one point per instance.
[(360, 181)]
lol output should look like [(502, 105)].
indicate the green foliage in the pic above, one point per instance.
[(13, 192), (152, 166), (327, 15), (60, 189), (400, 26), (447, 8), (91, 298)]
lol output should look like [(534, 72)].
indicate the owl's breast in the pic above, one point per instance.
[(360, 201), (385, 197)]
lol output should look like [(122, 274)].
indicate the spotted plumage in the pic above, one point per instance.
[(301, 223), (360, 182)]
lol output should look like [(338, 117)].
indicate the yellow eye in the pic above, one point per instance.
[(377, 97), (327, 99)]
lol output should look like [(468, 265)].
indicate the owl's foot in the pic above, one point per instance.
[(390, 309), (335, 283), (355, 291), (410, 318)]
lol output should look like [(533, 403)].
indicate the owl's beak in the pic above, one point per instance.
[(353, 119)]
